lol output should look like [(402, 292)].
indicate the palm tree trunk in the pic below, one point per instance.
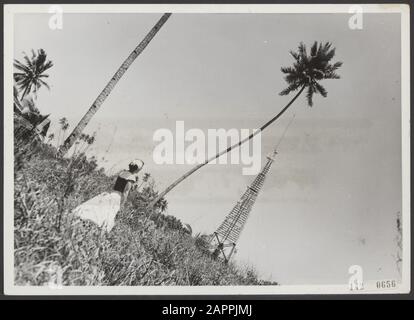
[(110, 86), (188, 173)]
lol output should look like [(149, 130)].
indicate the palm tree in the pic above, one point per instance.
[(110, 86), (50, 138), (306, 72), (32, 72), (63, 126)]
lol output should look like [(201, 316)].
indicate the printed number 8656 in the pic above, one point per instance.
[(386, 284)]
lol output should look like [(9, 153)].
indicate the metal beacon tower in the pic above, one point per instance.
[(224, 239)]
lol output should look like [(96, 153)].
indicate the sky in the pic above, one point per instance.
[(332, 195)]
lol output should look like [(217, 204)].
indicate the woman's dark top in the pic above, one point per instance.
[(123, 178)]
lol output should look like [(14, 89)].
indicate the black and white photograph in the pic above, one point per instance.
[(206, 149)]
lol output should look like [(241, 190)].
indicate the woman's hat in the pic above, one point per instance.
[(137, 162)]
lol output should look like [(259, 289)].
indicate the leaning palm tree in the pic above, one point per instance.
[(32, 72), (64, 125), (306, 72), (110, 86)]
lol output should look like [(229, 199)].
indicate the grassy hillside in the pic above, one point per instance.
[(144, 248)]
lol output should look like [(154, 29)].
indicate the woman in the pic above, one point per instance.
[(103, 208)]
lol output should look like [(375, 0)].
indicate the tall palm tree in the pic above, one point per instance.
[(306, 72), (32, 72), (110, 86), (64, 125)]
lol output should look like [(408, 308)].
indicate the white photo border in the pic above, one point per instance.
[(8, 207)]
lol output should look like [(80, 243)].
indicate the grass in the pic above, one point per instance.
[(144, 248)]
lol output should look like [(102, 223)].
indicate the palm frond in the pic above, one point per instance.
[(29, 61), (43, 83), (20, 66), (289, 89), (314, 49), (302, 50), (332, 75), (287, 70), (294, 55), (309, 96), (320, 89)]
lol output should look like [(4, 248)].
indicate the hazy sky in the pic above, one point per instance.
[(331, 198)]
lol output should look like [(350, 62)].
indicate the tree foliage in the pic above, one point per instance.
[(309, 69), (31, 73)]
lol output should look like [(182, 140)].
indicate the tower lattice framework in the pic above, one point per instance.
[(227, 234)]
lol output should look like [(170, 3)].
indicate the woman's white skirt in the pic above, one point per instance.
[(101, 209)]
